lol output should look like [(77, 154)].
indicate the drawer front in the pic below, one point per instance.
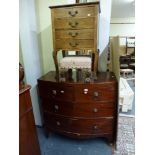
[(76, 23), (75, 34), (56, 91), (57, 107), (94, 126), (96, 109), (75, 12), (74, 44), (93, 92), (84, 109)]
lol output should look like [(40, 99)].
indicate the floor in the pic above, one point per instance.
[(60, 145)]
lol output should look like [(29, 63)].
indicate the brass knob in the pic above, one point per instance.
[(54, 92), (58, 123), (96, 94), (56, 107), (95, 127), (78, 134), (95, 110)]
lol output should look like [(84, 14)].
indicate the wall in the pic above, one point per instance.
[(122, 29), (30, 53), (127, 29), (104, 31), (20, 54)]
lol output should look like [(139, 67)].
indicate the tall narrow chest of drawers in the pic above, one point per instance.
[(78, 109), (75, 28)]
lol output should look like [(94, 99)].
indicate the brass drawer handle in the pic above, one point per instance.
[(73, 44), (95, 110), (62, 91), (73, 13), (56, 107), (96, 94), (54, 92), (58, 123), (73, 25), (73, 34), (78, 134), (95, 127)]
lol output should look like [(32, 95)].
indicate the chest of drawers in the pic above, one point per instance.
[(78, 109), (28, 139), (75, 28)]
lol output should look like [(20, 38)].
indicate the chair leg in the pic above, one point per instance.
[(55, 60), (95, 61)]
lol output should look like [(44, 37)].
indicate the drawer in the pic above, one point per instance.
[(85, 109), (96, 109), (92, 92), (72, 44), (94, 126), (76, 23), (75, 34), (72, 12), (57, 107), (56, 91)]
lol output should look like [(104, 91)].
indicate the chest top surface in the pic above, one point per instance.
[(76, 4), (77, 78)]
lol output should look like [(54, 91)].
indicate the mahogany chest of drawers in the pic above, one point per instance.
[(75, 28), (78, 109), (28, 139)]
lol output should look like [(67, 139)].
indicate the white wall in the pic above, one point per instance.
[(104, 31), (30, 51), (122, 29), (31, 54)]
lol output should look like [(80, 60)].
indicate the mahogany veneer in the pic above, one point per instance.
[(78, 109), (28, 140)]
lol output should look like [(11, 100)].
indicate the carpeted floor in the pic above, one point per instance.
[(126, 136), (61, 145)]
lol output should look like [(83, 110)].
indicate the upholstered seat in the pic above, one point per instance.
[(73, 62)]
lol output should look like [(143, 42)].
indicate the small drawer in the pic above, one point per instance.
[(72, 12), (74, 44), (75, 34), (76, 23), (85, 126), (96, 109), (56, 91), (95, 126), (57, 107), (105, 92)]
